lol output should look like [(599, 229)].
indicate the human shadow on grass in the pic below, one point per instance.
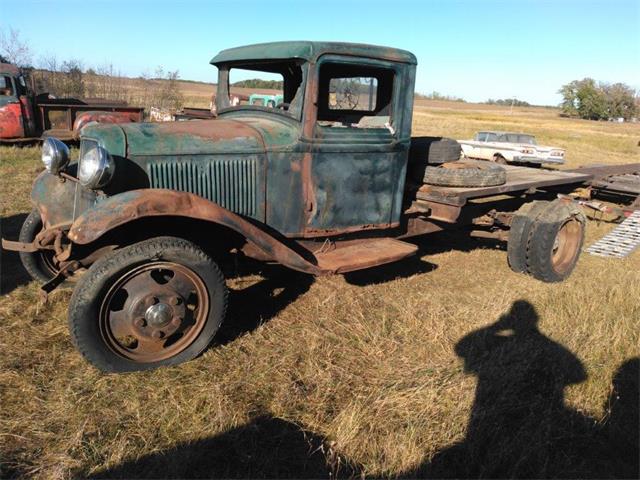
[(12, 273), (520, 425), (266, 447)]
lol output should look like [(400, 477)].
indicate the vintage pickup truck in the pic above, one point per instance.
[(508, 147), (143, 218), (26, 117)]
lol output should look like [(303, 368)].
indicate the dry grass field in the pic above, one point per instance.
[(444, 365)]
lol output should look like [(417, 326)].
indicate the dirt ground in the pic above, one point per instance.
[(447, 364)]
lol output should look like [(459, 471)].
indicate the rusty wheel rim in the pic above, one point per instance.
[(566, 245), (154, 312)]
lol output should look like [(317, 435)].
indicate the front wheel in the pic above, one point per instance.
[(155, 303), (39, 265)]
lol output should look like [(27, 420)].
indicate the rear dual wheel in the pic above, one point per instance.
[(155, 303), (545, 240)]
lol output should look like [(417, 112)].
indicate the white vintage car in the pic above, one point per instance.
[(506, 147)]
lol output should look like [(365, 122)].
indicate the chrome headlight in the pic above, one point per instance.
[(96, 167), (55, 155)]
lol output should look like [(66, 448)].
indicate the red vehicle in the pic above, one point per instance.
[(25, 116)]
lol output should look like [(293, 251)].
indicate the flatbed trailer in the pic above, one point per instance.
[(614, 182), (520, 180)]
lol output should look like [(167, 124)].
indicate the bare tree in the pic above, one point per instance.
[(14, 49)]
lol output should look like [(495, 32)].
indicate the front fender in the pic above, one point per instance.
[(135, 204)]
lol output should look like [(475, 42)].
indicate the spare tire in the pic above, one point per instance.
[(433, 150), (466, 174)]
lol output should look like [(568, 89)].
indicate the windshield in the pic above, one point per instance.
[(264, 86), (6, 86)]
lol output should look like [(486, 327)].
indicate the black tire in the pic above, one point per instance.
[(519, 234), (466, 174), (39, 265), (555, 242), (90, 333), (499, 159), (426, 151)]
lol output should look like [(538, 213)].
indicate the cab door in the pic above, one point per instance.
[(358, 153)]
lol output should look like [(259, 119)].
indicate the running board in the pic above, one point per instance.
[(621, 241), (364, 254)]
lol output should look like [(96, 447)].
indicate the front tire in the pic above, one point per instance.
[(155, 303), (39, 265)]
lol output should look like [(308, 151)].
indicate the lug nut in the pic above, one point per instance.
[(157, 334), (140, 322), (151, 301), (174, 300)]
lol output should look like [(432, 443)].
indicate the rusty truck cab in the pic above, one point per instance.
[(351, 106)]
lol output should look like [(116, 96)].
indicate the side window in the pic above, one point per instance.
[(6, 86), (355, 96), (481, 137), (492, 137), (21, 85)]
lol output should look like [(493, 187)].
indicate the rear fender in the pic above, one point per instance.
[(136, 204)]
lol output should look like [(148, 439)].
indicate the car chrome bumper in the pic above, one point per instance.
[(530, 159)]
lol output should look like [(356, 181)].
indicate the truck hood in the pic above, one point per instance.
[(245, 135)]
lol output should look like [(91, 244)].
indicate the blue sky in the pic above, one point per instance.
[(467, 48)]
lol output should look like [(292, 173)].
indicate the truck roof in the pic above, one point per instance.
[(500, 132), (9, 68), (307, 50)]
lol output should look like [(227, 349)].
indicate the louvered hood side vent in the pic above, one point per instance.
[(231, 183)]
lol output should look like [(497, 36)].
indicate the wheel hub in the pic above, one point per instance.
[(158, 315), (154, 311)]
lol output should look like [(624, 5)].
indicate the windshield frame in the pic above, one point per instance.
[(223, 90)]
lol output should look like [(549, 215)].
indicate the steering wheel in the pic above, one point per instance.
[(283, 105)]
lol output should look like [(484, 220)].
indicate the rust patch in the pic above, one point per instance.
[(11, 121), (135, 204)]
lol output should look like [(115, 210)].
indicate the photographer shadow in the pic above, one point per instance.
[(520, 425)]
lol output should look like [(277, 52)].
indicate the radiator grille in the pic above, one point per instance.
[(231, 183)]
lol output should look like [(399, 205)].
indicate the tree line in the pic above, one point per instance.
[(593, 100), (259, 83)]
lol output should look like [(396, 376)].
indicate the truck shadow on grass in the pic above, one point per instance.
[(12, 273), (519, 425), (258, 303), (266, 447)]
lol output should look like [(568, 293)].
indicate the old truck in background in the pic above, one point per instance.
[(320, 185), (27, 117)]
